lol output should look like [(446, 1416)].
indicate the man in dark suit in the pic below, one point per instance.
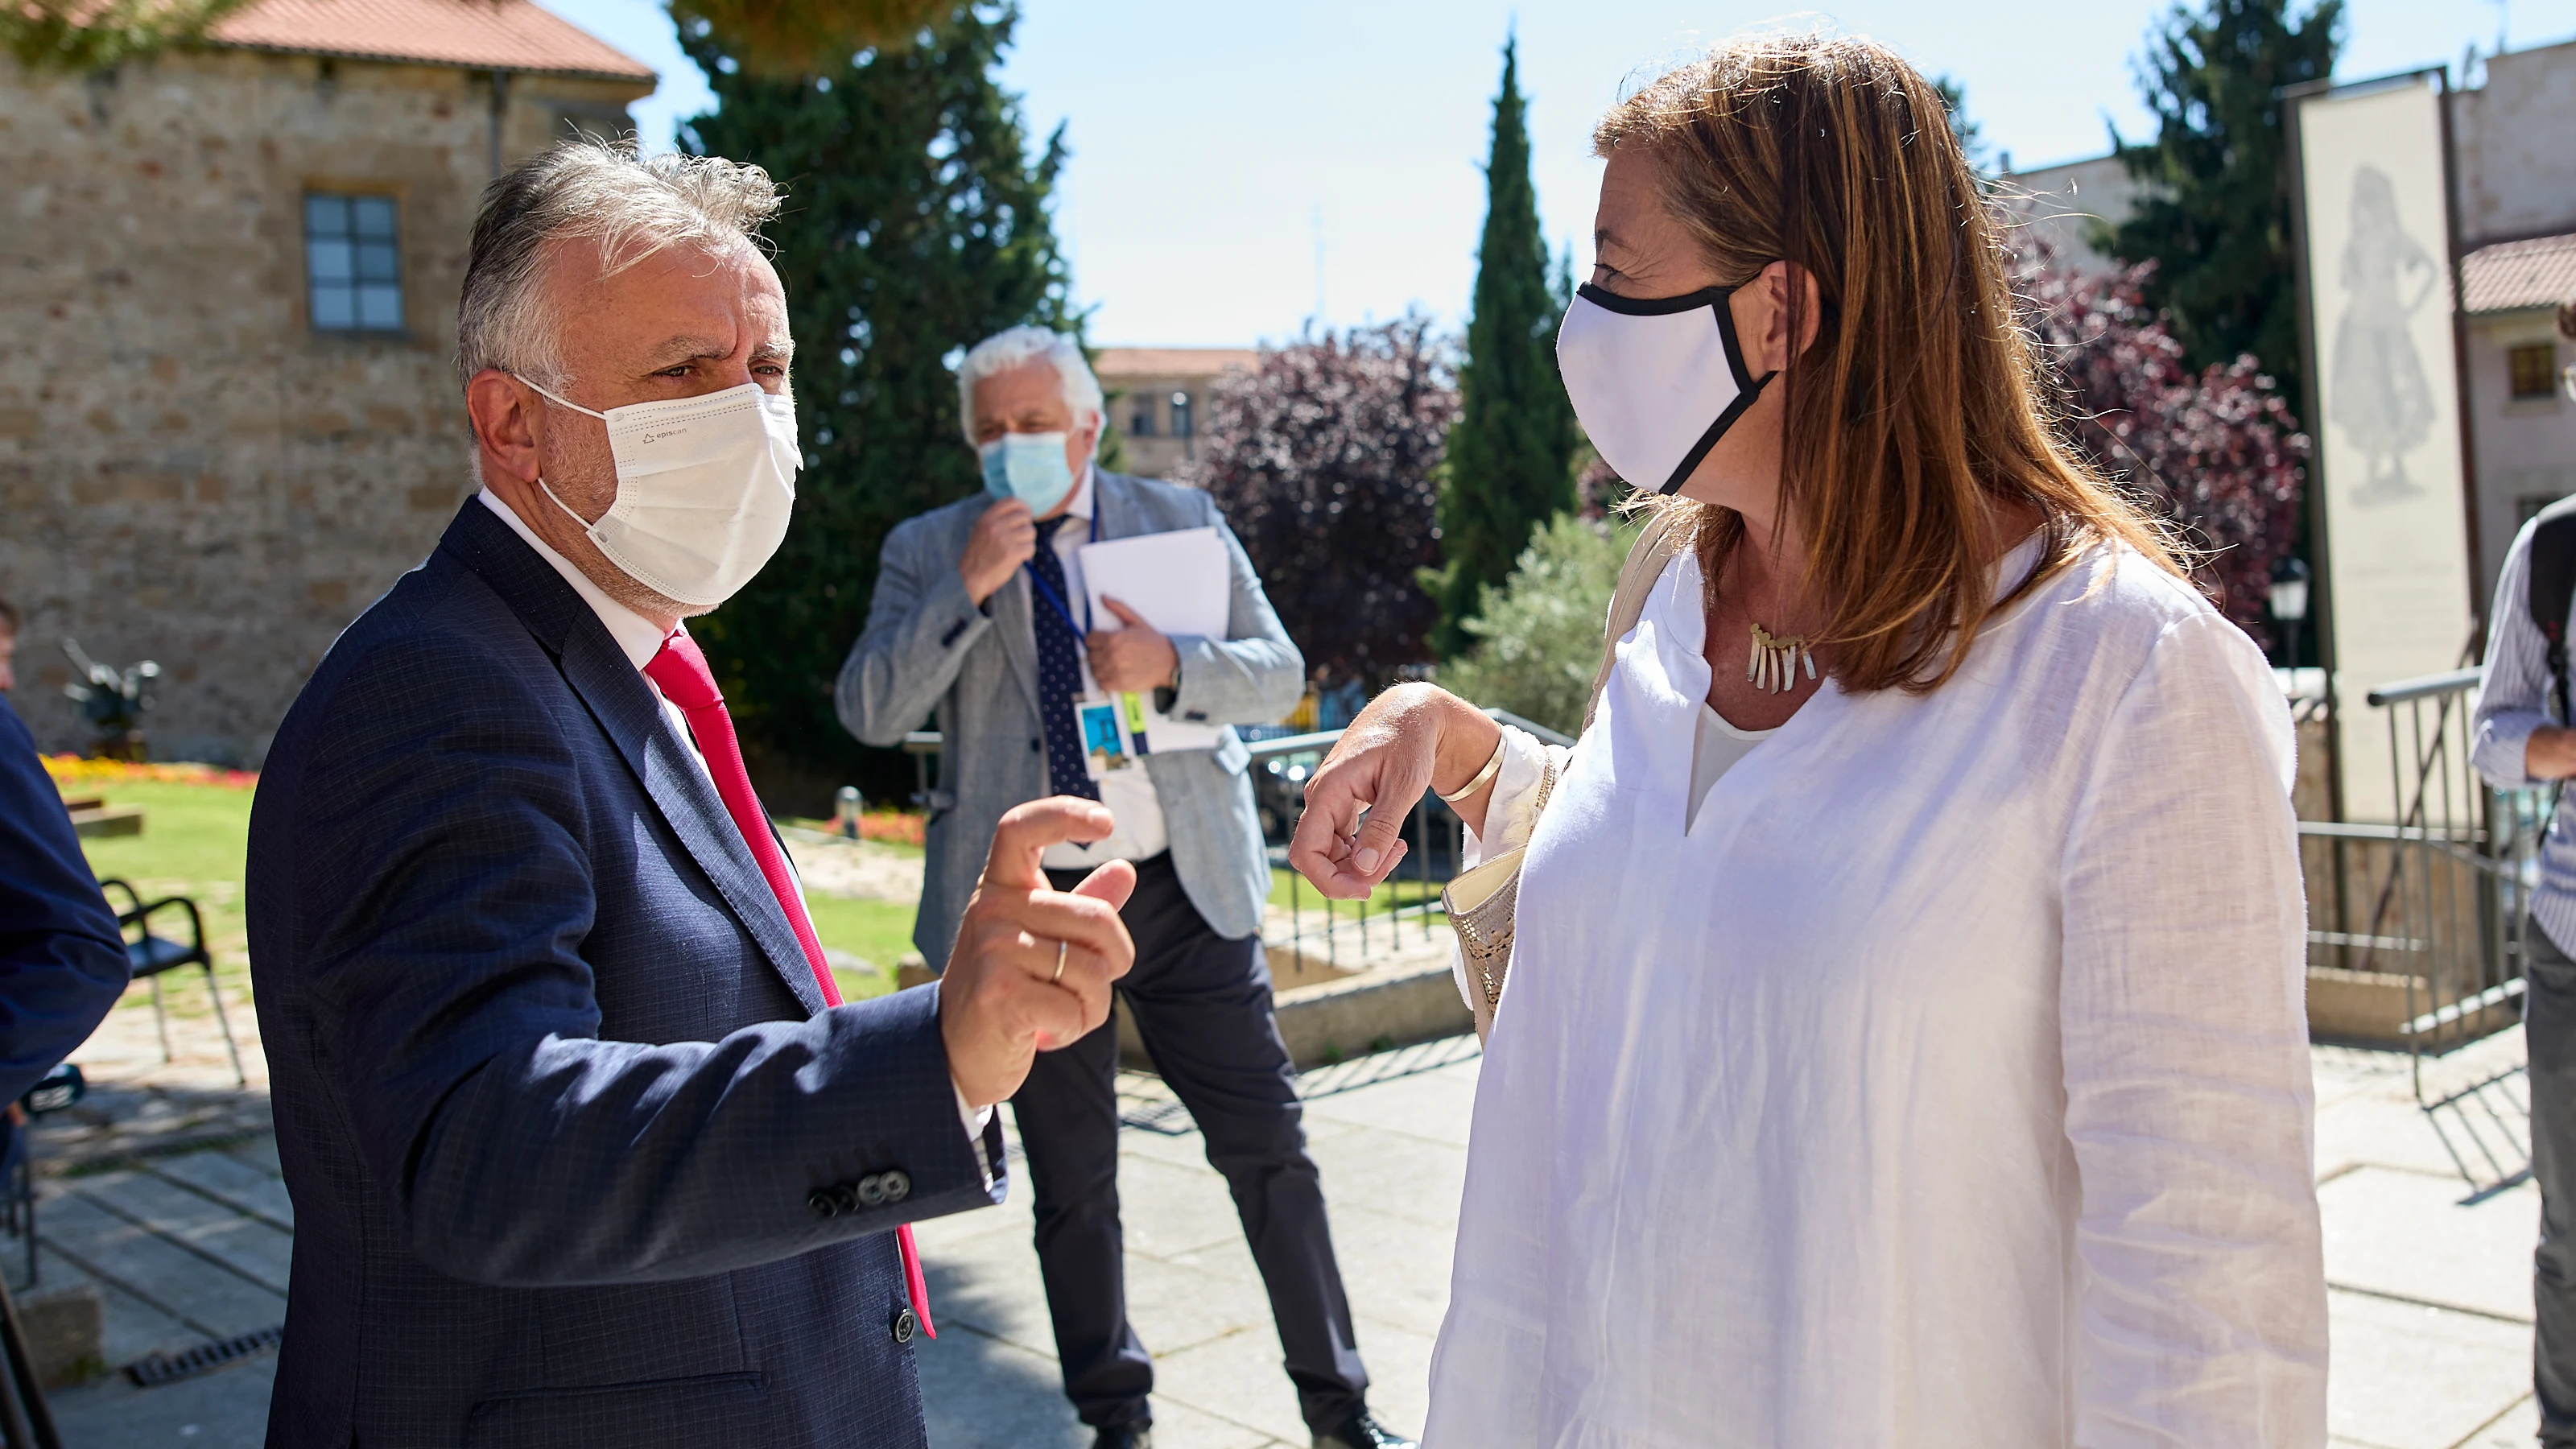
[(979, 618), (582, 1149), (62, 960)]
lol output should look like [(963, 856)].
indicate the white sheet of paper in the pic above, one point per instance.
[(1179, 583)]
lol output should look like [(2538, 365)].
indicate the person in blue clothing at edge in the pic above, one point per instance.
[(62, 959)]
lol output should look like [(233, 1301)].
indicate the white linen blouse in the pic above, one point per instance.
[(1943, 1082)]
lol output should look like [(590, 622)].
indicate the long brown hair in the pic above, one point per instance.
[(1921, 402)]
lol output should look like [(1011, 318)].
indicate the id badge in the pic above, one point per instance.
[(1106, 745)]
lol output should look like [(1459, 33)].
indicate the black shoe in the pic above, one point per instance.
[(1139, 1435), (1360, 1431)]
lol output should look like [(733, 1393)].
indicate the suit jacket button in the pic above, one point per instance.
[(898, 1186), (904, 1324), (1033, 747), (822, 1201), (872, 1191), (845, 1199)]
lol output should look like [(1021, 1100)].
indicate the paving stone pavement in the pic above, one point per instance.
[(2428, 1235), (863, 869)]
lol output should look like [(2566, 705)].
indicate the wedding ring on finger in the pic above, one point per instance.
[(1061, 947)]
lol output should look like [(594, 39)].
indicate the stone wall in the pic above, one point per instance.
[(188, 471)]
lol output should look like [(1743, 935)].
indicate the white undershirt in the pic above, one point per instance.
[(1714, 752), (1129, 793), (639, 639)]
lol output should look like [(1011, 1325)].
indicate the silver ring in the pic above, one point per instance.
[(1061, 947)]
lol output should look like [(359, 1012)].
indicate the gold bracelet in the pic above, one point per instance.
[(1483, 777)]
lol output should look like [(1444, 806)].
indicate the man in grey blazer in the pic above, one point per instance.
[(978, 620)]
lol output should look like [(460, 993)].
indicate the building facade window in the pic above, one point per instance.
[(2534, 369), (1181, 416), (352, 263), (1142, 424)]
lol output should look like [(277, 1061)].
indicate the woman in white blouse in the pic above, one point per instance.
[(1903, 1043)]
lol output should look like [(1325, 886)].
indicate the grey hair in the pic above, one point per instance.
[(1013, 346), (632, 205)]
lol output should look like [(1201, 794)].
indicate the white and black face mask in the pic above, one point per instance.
[(1655, 381)]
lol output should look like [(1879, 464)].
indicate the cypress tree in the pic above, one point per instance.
[(1510, 458), (2215, 213), (916, 225)]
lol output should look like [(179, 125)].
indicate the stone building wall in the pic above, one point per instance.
[(188, 470), (1140, 383)]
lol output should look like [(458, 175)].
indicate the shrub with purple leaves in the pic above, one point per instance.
[(1325, 459), (2217, 449)]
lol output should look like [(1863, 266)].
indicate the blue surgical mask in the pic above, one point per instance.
[(1029, 467)]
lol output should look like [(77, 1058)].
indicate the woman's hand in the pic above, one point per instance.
[(1410, 739)]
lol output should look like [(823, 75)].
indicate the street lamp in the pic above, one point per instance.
[(2290, 605)]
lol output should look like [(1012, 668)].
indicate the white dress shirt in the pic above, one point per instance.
[(640, 639), (1129, 793), (1943, 1082)]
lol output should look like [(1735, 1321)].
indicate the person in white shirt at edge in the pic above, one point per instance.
[(979, 620), (1937, 1074)]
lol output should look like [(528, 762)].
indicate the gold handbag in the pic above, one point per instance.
[(1481, 905), (1483, 902)]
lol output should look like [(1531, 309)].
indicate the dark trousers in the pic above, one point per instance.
[(2549, 1039), (1202, 1004)]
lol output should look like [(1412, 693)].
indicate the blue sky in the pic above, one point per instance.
[(1234, 166)]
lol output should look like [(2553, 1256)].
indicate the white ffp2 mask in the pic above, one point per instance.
[(705, 486), (1655, 381)]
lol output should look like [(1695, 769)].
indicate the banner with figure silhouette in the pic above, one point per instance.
[(2378, 273)]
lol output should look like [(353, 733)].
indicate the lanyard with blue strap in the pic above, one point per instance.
[(1135, 707), (1055, 600)]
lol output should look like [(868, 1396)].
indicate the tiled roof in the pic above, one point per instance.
[(2540, 272), (1172, 361), (479, 34)]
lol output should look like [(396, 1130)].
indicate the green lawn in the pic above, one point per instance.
[(195, 836), (878, 932)]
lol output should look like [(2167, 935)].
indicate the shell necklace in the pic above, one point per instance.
[(1772, 666)]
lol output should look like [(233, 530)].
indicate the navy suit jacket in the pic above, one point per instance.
[(62, 959), (555, 1089)]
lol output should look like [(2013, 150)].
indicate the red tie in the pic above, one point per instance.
[(681, 673)]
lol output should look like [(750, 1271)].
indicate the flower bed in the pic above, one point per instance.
[(900, 826), (73, 770)]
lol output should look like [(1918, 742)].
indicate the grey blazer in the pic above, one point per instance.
[(929, 652)]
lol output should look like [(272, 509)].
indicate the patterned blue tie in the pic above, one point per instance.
[(1059, 670)]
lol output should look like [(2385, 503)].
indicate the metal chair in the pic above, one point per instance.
[(150, 955)]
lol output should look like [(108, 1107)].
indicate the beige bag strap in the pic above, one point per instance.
[(1654, 548)]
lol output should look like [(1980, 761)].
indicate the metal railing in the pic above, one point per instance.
[(2430, 909), (1318, 933)]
